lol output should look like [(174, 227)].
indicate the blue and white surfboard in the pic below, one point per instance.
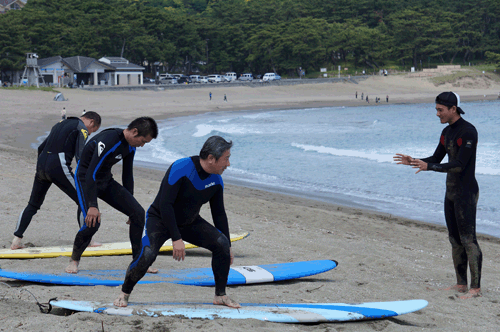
[(238, 275), (280, 312)]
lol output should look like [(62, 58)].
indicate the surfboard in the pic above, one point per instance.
[(238, 275), (107, 249), (272, 312)]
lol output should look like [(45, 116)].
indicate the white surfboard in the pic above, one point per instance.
[(272, 312)]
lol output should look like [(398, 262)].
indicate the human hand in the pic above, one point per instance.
[(179, 250), (93, 217), (402, 159), (421, 165)]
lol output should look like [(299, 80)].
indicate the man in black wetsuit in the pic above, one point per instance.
[(65, 141), (94, 180), (188, 184), (459, 141)]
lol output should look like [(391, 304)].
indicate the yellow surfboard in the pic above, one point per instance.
[(107, 249)]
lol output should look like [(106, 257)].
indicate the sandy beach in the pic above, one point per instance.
[(381, 257)]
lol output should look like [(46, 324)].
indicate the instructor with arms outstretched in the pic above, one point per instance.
[(459, 141), (175, 213)]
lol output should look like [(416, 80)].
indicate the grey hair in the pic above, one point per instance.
[(215, 146)]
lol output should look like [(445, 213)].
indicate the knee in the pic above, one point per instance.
[(138, 216), (223, 244), (454, 241)]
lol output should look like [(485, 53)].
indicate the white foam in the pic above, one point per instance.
[(381, 158), (206, 129)]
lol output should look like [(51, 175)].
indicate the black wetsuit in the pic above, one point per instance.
[(65, 142), (94, 179), (459, 141), (175, 214)]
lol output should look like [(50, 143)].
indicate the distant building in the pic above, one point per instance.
[(74, 70), (125, 73), (6, 5)]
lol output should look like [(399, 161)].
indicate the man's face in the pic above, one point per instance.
[(139, 141), (222, 163), (444, 113)]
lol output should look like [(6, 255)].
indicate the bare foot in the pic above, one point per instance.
[(122, 300), (458, 288), (473, 292), (72, 267), (152, 270), (16, 243), (95, 244), (225, 300)]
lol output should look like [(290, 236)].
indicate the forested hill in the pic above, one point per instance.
[(256, 35)]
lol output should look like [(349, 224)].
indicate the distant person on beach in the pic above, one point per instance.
[(65, 142), (210, 95), (362, 96), (459, 142), (63, 113), (357, 95), (175, 214), (94, 180), (387, 98), (367, 100), (225, 98)]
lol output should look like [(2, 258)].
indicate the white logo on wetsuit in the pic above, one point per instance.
[(210, 184), (119, 157), (100, 148)]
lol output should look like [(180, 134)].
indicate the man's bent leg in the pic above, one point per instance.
[(122, 200), (38, 192), (151, 243), (203, 234), (82, 240)]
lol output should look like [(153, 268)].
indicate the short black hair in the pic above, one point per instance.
[(215, 146), (93, 116), (145, 126)]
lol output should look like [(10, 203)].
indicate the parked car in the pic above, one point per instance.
[(231, 75), (184, 80), (246, 77), (203, 79), (168, 80), (215, 78), (271, 77), (195, 78), (165, 75), (176, 75)]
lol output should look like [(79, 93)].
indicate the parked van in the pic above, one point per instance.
[(195, 78), (166, 75), (214, 78), (271, 77), (246, 77), (231, 76)]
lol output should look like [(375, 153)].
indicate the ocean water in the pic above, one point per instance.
[(341, 155)]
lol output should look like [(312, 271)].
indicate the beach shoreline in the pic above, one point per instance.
[(381, 257)]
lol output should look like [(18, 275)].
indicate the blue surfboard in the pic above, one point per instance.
[(238, 275), (279, 312)]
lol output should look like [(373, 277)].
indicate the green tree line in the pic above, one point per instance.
[(255, 35)]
